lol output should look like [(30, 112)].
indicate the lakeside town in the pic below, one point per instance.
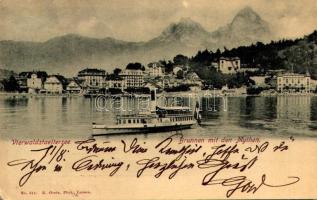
[(277, 68), (136, 78)]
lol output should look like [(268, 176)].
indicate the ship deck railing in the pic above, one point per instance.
[(143, 116)]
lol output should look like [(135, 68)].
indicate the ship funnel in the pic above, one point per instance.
[(197, 114), (153, 100)]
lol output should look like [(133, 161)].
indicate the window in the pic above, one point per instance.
[(129, 121)]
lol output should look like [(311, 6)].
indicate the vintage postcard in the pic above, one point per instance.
[(169, 99)]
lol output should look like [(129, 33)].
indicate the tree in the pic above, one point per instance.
[(204, 57), (168, 66), (210, 75), (180, 74), (217, 54), (117, 71), (180, 60), (135, 66), (237, 80), (216, 80), (11, 84)]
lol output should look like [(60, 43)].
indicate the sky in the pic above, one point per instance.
[(142, 20)]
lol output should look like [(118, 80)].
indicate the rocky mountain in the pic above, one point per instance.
[(69, 53), (246, 27), (65, 54), (186, 32)]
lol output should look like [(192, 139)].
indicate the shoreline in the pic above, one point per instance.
[(11, 94), (202, 93)]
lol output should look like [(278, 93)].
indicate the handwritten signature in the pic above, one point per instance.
[(245, 185), (218, 160)]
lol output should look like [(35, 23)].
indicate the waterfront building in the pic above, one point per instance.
[(134, 78), (229, 65), (192, 78), (31, 79), (115, 81), (176, 69), (155, 69), (170, 81), (313, 85), (92, 78), (55, 84), (293, 82), (74, 86), (35, 81), (22, 81)]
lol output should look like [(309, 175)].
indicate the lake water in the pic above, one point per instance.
[(71, 117)]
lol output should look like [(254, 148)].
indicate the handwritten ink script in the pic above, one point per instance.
[(219, 162)]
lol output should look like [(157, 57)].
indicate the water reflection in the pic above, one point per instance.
[(16, 101), (313, 109), (72, 116), (296, 108)]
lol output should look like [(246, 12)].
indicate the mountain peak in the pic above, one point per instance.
[(246, 27), (184, 26), (247, 13), (185, 31), (247, 9), (66, 37), (187, 21)]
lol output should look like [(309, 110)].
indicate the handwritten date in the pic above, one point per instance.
[(51, 153)]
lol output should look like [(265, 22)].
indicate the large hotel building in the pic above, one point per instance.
[(292, 82)]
